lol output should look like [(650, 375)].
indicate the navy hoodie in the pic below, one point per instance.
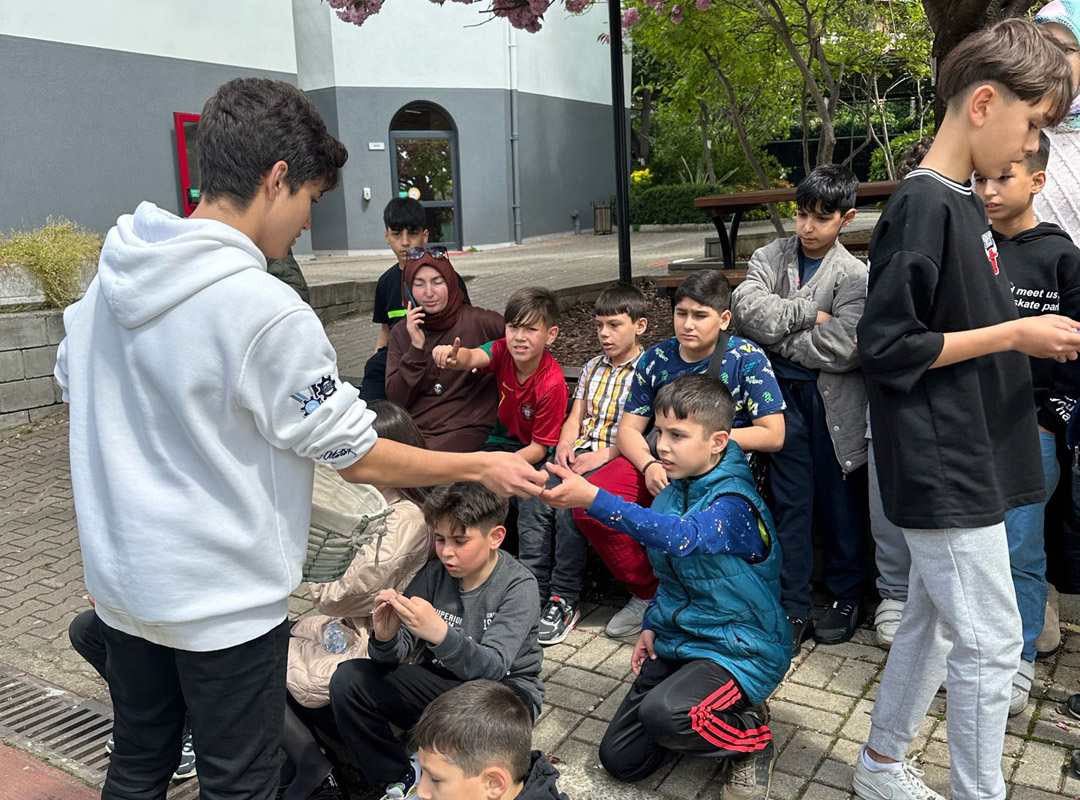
[(1043, 266)]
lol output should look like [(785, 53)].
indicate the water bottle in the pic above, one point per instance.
[(334, 639)]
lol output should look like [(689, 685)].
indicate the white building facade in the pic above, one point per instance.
[(425, 97)]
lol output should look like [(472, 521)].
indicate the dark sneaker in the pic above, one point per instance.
[(801, 631), (1072, 705), (748, 778), (558, 619), (329, 789), (839, 622), (405, 789), (1074, 762), (110, 744), (186, 769)]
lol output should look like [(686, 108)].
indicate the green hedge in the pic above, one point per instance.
[(673, 204)]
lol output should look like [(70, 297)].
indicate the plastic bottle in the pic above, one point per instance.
[(334, 639)]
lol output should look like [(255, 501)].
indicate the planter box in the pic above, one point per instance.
[(28, 343)]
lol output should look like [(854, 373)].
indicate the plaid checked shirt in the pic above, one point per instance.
[(604, 387)]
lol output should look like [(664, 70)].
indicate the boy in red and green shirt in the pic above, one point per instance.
[(532, 389)]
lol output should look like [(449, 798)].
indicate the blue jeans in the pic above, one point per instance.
[(1027, 559)]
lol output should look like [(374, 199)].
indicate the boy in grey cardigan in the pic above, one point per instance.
[(472, 613), (801, 300)]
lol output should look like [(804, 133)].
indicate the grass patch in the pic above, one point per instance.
[(58, 255)]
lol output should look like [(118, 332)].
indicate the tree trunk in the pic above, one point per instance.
[(644, 125), (706, 150), (744, 141)]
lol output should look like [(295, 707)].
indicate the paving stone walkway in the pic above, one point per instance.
[(820, 713)]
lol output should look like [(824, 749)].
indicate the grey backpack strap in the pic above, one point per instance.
[(716, 361)]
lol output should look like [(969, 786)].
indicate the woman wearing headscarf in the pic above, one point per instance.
[(454, 410)]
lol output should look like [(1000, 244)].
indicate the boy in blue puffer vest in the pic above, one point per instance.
[(715, 642)]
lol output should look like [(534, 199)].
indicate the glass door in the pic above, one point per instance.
[(424, 166)]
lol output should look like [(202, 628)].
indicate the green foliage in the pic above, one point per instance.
[(898, 144), (59, 255), (673, 204)]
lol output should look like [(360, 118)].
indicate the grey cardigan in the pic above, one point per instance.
[(769, 309)]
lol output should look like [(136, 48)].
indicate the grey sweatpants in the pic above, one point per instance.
[(890, 550), (960, 620)]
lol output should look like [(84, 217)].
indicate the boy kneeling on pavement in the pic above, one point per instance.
[(715, 641)]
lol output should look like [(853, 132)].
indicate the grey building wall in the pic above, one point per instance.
[(88, 133), (567, 161)]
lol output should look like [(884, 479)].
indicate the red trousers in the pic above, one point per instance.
[(623, 556)]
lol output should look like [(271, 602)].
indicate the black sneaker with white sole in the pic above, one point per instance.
[(557, 620), (839, 622), (186, 767)]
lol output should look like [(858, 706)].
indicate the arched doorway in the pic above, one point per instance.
[(424, 159)]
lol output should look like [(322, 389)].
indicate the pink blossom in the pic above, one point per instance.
[(676, 13), (703, 5), (576, 6), (630, 18)]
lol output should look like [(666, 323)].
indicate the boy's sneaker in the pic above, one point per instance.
[(839, 623), (186, 768), (329, 789), (406, 787), (558, 619), (904, 783), (1072, 705), (887, 620), (748, 778), (110, 744), (1021, 687), (801, 630), (627, 620)]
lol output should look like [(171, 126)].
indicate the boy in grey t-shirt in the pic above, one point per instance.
[(472, 613)]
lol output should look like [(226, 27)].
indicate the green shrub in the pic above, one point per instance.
[(897, 144), (673, 204), (59, 255)]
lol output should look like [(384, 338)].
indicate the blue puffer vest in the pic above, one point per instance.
[(719, 606)]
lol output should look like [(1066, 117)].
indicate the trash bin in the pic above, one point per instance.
[(601, 218)]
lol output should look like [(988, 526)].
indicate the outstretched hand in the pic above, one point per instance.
[(510, 475), (573, 492), (446, 355), (1048, 336)]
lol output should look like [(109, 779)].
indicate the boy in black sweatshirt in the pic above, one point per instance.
[(1043, 267), (955, 433)]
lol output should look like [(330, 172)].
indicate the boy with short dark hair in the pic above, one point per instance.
[(473, 613), (955, 432), (1043, 266), (475, 743), (406, 229), (549, 542), (532, 389), (702, 343), (716, 642), (192, 464), (802, 298)]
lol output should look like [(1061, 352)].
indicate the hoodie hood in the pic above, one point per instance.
[(540, 782), (152, 260), (1040, 231)]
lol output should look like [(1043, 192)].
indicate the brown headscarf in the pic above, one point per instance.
[(454, 296)]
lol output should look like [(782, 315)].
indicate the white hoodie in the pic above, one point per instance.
[(201, 391)]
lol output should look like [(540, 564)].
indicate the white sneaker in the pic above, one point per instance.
[(887, 620), (1021, 687), (405, 789), (627, 620), (891, 784)]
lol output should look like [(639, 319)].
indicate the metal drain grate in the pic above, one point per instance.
[(63, 728)]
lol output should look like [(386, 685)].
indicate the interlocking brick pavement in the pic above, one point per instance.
[(820, 713)]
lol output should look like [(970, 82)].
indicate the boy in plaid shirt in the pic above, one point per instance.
[(551, 545)]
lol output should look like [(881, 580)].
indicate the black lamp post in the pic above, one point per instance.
[(622, 161)]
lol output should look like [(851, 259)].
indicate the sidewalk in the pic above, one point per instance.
[(820, 713)]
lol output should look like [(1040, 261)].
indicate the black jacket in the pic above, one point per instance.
[(1043, 266), (540, 782)]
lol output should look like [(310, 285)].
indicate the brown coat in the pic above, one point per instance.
[(405, 548), (460, 419)]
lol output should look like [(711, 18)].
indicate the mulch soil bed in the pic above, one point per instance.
[(577, 341)]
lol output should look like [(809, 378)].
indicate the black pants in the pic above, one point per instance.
[(693, 708), (804, 476), (236, 698), (373, 385), (85, 634)]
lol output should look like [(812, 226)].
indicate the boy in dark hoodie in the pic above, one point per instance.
[(715, 641), (1043, 266), (475, 743)]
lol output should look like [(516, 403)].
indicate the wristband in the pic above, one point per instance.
[(646, 467)]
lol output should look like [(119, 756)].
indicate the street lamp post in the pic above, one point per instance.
[(622, 161)]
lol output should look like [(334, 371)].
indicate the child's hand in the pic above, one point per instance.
[(1047, 336), (573, 492), (420, 617), (822, 317), (564, 455), (656, 479), (446, 355), (414, 324), (587, 462), (385, 622), (642, 650)]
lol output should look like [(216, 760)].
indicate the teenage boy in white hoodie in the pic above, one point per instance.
[(202, 391)]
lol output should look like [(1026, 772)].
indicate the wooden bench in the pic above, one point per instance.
[(717, 208)]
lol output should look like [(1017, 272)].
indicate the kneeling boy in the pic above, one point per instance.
[(474, 613), (716, 642), (476, 744)]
